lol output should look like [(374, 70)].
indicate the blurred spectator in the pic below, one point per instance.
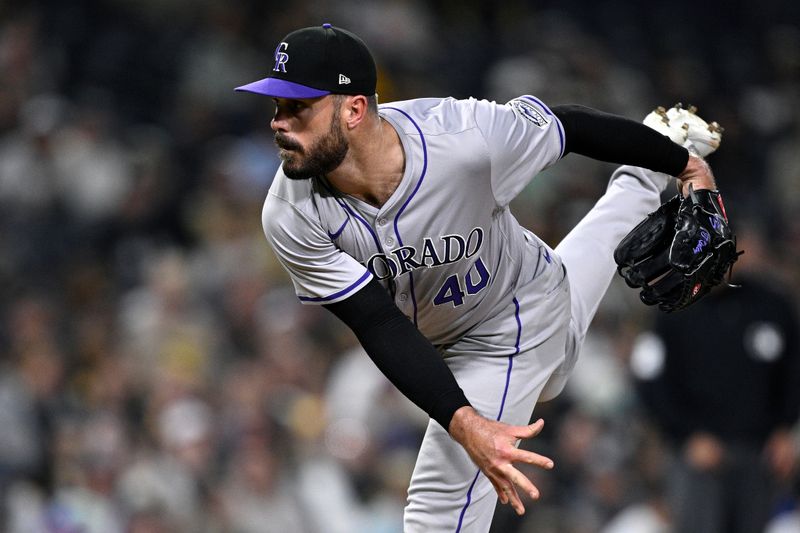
[(257, 495), (788, 521), (646, 509), (722, 379), (173, 478)]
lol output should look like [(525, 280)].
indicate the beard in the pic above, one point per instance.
[(323, 156)]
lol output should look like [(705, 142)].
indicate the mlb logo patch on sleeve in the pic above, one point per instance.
[(529, 112)]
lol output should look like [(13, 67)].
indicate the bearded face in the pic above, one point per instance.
[(322, 156)]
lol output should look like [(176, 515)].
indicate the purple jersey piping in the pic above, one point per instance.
[(408, 200), (502, 406), (558, 122), (367, 275)]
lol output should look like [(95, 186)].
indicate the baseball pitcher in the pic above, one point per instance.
[(396, 219)]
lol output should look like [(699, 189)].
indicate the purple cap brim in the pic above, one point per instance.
[(281, 89)]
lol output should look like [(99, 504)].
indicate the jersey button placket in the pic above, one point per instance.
[(388, 240)]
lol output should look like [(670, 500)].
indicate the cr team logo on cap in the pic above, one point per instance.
[(281, 57)]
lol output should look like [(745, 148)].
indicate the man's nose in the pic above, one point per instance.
[(280, 121), (277, 123)]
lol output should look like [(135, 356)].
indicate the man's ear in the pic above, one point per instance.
[(355, 110)]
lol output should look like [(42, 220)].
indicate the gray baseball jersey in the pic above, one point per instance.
[(458, 264), (445, 244)]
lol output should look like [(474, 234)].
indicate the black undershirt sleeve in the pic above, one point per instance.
[(616, 139), (401, 352)]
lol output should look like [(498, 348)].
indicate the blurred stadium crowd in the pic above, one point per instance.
[(157, 373)]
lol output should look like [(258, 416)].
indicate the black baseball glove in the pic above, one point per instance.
[(679, 252)]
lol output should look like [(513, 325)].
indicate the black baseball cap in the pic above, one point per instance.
[(315, 61)]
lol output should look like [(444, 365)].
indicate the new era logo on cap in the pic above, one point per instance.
[(308, 63)]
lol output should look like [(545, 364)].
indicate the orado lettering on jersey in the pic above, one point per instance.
[(445, 250)]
